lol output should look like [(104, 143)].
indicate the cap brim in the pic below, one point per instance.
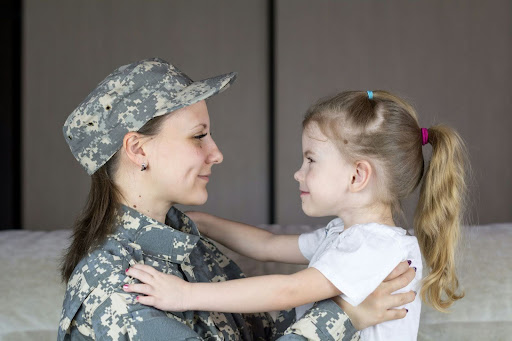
[(198, 91)]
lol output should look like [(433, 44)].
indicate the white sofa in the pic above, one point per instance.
[(32, 293)]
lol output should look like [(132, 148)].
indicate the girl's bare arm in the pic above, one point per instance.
[(249, 240), (246, 295)]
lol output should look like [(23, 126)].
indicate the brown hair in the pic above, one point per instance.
[(385, 131), (96, 221)]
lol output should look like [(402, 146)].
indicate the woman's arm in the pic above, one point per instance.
[(246, 295), (249, 240)]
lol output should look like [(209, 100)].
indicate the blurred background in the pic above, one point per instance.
[(451, 59)]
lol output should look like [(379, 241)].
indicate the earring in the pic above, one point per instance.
[(144, 167)]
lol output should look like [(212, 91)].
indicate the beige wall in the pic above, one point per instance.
[(70, 46), (451, 59)]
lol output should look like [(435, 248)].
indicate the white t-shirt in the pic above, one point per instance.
[(357, 260)]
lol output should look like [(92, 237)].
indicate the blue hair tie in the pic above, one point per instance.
[(370, 94)]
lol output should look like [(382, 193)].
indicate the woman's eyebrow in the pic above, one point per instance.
[(200, 125)]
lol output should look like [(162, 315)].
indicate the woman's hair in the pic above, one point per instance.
[(384, 131), (96, 221)]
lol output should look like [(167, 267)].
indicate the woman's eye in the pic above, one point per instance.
[(200, 136)]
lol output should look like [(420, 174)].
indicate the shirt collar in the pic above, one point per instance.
[(335, 225), (172, 241)]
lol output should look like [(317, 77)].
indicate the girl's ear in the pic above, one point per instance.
[(132, 143), (361, 176)]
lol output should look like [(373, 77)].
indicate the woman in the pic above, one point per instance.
[(143, 136)]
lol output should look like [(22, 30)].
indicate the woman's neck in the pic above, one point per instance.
[(152, 210), (137, 194)]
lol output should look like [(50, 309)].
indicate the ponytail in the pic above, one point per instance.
[(438, 216)]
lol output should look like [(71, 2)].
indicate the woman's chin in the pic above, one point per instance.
[(197, 200)]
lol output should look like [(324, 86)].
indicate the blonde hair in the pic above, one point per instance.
[(385, 131)]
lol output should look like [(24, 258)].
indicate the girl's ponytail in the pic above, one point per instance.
[(438, 217)]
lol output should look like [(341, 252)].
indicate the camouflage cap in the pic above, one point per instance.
[(125, 101)]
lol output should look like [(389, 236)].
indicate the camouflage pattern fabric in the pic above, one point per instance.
[(96, 308), (127, 99)]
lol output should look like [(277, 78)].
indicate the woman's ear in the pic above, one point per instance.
[(132, 143), (361, 176)]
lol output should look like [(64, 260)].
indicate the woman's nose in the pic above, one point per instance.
[(215, 156)]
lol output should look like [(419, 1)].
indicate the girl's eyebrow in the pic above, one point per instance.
[(308, 152)]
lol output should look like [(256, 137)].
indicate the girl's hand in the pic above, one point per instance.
[(196, 218), (194, 215), (378, 306), (165, 292)]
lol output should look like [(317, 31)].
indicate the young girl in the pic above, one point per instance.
[(362, 154)]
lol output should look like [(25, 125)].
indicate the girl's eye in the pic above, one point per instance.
[(200, 136), (310, 160)]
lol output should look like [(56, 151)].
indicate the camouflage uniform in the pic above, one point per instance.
[(96, 307)]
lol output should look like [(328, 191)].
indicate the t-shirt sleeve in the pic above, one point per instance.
[(358, 261), (309, 242)]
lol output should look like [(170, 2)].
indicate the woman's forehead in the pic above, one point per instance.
[(194, 116)]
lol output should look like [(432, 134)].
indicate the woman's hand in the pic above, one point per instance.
[(165, 292), (378, 306)]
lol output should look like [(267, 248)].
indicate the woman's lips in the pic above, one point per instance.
[(204, 177)]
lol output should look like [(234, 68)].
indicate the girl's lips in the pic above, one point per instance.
[(303, 193)]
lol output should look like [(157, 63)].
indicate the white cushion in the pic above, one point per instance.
[(32, 292)]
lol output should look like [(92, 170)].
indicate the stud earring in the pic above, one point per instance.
[(144, 167)]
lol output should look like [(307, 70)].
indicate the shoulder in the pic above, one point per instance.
[(108, 260), (375, 232), (371, 238), (95, 279)]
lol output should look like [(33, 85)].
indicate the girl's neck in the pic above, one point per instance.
[(379, 215)]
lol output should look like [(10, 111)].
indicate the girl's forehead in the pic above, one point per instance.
[(313, 135)]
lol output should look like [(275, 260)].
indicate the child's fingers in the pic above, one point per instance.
[(138, 288), (139, 274), (146, 300)]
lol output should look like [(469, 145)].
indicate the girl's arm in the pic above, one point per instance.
[(249, 240), (246, 295)]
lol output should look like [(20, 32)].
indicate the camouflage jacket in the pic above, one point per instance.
[(96, 307)]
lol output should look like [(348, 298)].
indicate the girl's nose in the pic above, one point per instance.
[(298, 175)]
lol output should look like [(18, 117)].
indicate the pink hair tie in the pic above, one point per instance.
[(424, 136)]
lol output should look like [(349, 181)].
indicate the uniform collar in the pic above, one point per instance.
[(172, 241)]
